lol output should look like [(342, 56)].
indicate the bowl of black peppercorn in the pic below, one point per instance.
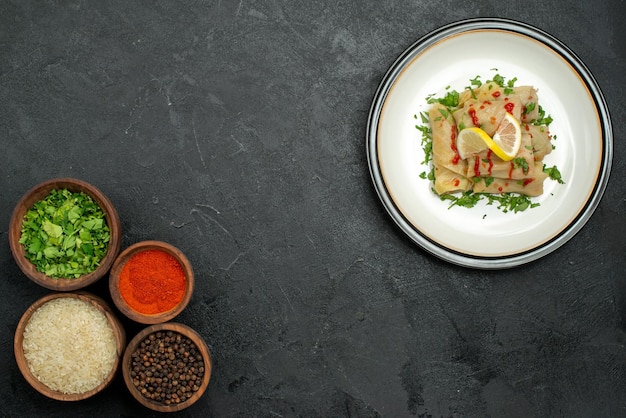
[(167, 367)]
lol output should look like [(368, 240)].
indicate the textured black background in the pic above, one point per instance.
[(235, 130)]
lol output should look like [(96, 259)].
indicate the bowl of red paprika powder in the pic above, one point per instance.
[(151, 282)]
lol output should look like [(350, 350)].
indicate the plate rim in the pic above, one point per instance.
[(458, 28)]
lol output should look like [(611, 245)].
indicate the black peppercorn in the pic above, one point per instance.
[(166, 367)]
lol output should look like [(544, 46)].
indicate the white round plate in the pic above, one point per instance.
[(483, 236)]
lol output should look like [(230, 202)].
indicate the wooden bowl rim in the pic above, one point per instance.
[(185, 330), (22, 363), (122, 259), (37, 193)]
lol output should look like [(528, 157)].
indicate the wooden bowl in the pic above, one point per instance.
[(137, 341), (38, 193), (116, 272), (22, 362)]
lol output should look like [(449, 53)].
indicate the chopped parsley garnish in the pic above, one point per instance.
[(507, 202), (451, 99), (511, 202), (553, 173), (501, 81), (542, 119), (427, 139), (467, 199), (530, 106), (476, 81), (498, 79), (520, 162), (65, 235), (428, 176)]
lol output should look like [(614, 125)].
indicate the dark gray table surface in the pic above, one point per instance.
[(235, 131)]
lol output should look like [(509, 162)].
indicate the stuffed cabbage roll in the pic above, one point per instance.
[(540, 139), (447, 181), (532, 185), (529, 100), (445, 153)]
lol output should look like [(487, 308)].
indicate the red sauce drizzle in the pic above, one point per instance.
[(457, 157), (511, 170), (527, 127), (472, 114), (477, 166), (490, 162), (456, 182), (509, 107), (496, 94), (528, 181)]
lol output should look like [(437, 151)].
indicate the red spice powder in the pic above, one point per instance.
[(152, 282)]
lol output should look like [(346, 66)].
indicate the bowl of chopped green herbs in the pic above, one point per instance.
[(64, 234)]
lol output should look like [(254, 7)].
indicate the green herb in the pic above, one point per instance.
[(425, 130), (428, 152), (542, 119), (451, 99), (521, 162), (428, 176), (427, 140), (476, 81), (553, 173), (498, 79), (507, 202), (509, 86), (501, 81), (65, 234), (511, 202), (530, 106), (467, 199)]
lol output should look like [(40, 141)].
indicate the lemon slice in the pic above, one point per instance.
[(505, 142), (471, 141), (508, 138)]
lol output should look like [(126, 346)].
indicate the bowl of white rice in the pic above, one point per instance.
[(68, 345)]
